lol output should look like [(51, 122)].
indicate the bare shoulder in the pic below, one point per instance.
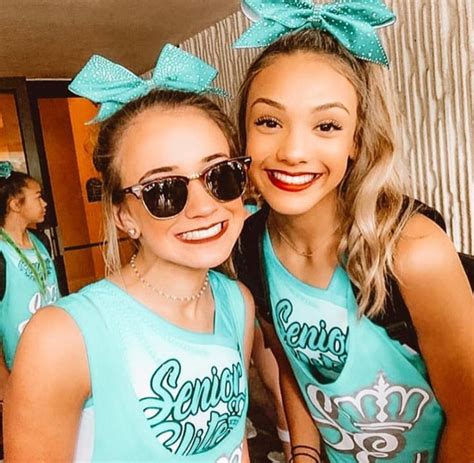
[(52, 328), (47, 389), (432, 278), (53, 342), (424, 251)]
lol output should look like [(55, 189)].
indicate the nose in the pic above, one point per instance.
[(200, 202), (44, 203), (295, 146)]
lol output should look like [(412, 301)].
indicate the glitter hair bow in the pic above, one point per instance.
[(112, 85), (6, 169), (351, 22)]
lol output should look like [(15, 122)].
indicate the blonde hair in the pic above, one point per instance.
[(107, 163), (371, 205)]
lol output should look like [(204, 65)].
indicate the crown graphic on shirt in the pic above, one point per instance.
[(385, 406)]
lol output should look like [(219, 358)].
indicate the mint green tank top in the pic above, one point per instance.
[(159, 392), (368, 395), (22, 294)]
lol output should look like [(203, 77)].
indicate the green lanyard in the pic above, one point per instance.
[(40, 276)]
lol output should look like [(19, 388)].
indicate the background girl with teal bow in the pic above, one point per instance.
[(337, 236), (150, 363), (27, 275)]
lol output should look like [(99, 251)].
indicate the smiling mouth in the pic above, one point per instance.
[(292, 182), (204, 235)]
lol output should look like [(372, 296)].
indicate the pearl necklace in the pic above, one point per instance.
[(193, 297)]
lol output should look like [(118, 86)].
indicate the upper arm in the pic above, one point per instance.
[(303, 430), (47, 389), (249, 322), (438, 296)]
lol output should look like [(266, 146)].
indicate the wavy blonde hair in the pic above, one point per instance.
[(107, 162), (371, 204)]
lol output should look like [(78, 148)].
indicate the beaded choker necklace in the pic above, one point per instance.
[(193, 297), (40, 275)]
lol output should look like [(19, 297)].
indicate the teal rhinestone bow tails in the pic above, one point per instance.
[(112, 85), (351, 22)]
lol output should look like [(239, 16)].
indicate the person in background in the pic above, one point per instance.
[(337, 238), (27, 275), (150, 363)]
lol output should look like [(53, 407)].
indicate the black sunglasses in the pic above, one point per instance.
[(166, 197)]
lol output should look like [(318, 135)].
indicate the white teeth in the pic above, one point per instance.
[(293, 179), (203, 233)]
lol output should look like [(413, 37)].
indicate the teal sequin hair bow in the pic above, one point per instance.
[(112, 85), (6, 169), (351, 22)]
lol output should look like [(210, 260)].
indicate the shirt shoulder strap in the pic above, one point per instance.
[(248, 261)]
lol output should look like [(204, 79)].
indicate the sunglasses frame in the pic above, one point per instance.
[(137, 189)]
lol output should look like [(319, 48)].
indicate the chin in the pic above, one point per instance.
[(208, 255), (206, 260), (285, 206)]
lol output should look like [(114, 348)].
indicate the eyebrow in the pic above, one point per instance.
[(160, 170), (275, 104), (268, 102), (334, 104)]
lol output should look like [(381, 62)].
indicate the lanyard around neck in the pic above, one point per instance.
[(41, 275)]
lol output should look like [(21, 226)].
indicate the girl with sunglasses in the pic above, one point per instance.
[(336, 238), (154, 357), (27, 275)]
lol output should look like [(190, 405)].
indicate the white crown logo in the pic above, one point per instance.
[(386, 406)]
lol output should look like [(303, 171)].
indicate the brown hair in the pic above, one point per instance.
[(371, 204), (10, 188), (109, 138)]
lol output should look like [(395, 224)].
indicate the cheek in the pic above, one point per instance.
[(156, 231), (135, 213), (260, 150), (335, 151), (238, 214), (258, 145), (255, 172), (237, 209)]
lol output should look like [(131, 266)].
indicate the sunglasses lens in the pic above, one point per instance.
[(227, 180), (166, 198)]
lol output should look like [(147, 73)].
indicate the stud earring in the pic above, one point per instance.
[(133, 233)]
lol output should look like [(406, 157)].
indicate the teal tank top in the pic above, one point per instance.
[(160, 392), (368, 395), (22, 296)]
